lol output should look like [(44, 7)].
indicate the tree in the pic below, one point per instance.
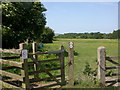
[(21, 21), (116, 34), (47, 35)]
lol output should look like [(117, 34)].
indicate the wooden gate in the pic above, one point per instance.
[(28, 77), (40, 68), (108, 68)]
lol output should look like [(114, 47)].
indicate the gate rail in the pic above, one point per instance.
[(24, 64)]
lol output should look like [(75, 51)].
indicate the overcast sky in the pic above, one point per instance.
[(77, 17)]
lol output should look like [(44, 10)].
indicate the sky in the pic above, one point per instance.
[(80, 17)]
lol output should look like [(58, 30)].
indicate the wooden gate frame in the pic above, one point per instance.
[(24, 77), (36, 62)]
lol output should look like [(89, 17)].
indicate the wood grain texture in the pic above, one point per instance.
[(14, 76), (101, 65), (12, 63), (71, 66)]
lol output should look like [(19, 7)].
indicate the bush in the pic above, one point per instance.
[(89, 71)]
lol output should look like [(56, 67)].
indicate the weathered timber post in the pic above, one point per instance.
[(24, 72), (71, 64), (25, 68), (21, 47), (62, 66), (34, 48), (101, 64)]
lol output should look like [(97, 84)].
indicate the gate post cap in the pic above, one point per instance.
[(101, 47)]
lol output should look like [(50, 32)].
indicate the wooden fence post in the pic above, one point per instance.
[(62, 66), (101, 64), (34, 48), (21, 47), (24, 72), (71, 64), (25, 68)]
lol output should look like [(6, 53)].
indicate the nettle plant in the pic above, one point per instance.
[(89, 71)]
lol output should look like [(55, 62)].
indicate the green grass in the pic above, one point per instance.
[(86, 50)]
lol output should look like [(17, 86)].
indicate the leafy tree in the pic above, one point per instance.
[(116, 34), (47, 35), (21, 21), (96, 35)]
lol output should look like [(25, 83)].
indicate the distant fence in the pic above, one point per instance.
[(102, 66), (24, 64)]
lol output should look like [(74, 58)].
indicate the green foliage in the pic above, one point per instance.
[(88, 70), (41, 49), (97, 35), (47, 35), (116, 34), (29, 47), (88, 78), (110, 73), (21, 21), (86, 82)]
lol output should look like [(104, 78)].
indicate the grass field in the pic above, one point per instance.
[(86, 50)]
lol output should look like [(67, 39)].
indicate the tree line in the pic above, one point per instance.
[(97, 35), (23, 21)]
